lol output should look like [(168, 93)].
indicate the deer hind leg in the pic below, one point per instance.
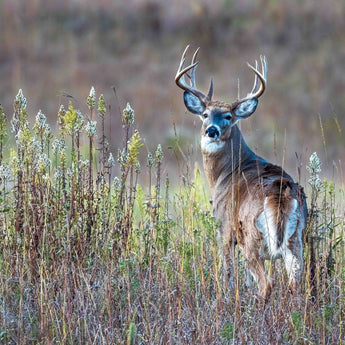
[(293, 259), (293, 249), (228, 262), (257, 269)]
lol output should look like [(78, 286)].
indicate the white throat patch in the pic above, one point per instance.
[(211, 145)]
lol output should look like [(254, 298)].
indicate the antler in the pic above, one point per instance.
[(257, 92), (181, 81)]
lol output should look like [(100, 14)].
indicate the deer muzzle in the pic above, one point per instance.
[(212, 132)]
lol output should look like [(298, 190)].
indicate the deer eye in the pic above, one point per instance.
[(227, 116), (205, 115)]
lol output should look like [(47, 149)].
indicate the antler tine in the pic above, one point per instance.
[(264, 66), (192, 77), (192, 73), (180, 76), (256, 93), (263, 73), (183, 59), (210, 91), (256, 80)]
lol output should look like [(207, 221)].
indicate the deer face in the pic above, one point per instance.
[(218, 118)]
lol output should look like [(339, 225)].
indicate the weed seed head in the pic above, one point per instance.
[(90, 128), (61, 115), (41, 127), (19, 102), (128, 117), (80, 121), (58, 145), (91, 100), (40, 120), (23, 137), (122, 158), (150, 160), (34, 146), (159, 155), (314, 168), (134, 146), (101, 105), (43, 163)]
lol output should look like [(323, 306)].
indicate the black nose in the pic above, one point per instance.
[(212, 132)]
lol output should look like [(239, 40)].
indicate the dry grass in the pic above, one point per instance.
[(104, 260), (48, 47)]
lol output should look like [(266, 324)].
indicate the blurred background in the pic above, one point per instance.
[(51, 49)]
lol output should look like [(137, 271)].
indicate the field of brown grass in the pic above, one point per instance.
[(50, 49), (106, 230)]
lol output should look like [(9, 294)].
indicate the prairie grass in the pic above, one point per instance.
[(92, 258)]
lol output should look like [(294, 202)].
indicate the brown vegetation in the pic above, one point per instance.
[(111, 261), (49, 47)]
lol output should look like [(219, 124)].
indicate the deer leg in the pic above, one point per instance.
[(228, 257), (257, 269), (293, 259)]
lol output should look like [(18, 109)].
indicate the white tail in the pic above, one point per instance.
[(259, 205)]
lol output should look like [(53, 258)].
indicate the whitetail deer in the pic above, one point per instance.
[(259, 205)]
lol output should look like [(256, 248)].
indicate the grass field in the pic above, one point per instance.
[(92, 258)]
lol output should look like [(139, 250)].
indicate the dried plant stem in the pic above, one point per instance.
[(90, 221)]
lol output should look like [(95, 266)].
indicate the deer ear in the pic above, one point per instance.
[(193, 103), (246, 108)]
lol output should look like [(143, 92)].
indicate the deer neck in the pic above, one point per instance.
[(220, 165)]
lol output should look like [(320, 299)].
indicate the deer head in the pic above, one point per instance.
[(217, 117)]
